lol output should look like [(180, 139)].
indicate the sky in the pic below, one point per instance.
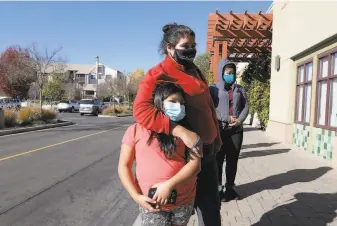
[(125, 35)]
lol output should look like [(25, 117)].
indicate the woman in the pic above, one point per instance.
[(178, 44), (163, 163)]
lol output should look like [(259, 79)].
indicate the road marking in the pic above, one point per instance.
[(34, 131), (53, 145)]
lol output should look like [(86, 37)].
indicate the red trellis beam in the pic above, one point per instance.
[(238, 33)]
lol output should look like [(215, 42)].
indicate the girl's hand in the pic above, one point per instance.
[(145, 202), (163, 192)]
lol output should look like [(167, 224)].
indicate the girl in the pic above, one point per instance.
[(163, 163)]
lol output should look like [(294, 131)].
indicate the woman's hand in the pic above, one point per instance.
[(146, 203), (190, 139), (163, 192)]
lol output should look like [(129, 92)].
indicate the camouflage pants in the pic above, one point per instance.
[(178, 216)]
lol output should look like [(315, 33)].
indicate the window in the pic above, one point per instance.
[(81, 75), (101, 69), (220, 50), (89, 92), (86, 101), (303, 93), (326, 111)]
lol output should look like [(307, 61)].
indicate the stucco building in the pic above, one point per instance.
[(303, 98)]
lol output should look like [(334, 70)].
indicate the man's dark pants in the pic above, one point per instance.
[(232, 141), (207, 201)]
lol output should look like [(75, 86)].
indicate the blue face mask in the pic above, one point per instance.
[(229, 78), (175, 111)]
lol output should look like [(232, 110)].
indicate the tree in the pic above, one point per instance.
[(53, 88), (33, 91), (71, 91), (202, 62), (256, 80), (112, 88), (15, 74), (132, 84), (44, 64), (139, 73)]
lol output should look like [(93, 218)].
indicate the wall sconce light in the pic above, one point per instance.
[(277, 62)]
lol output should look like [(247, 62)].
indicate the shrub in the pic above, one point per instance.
[(48, 115), (258, 97), (10, 118), (27, 116), (256, 81), (115, 110)]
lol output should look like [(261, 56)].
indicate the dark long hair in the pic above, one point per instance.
[(172, 33), (161, 92)]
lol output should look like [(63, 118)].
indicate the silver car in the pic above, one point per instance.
[(91, 106)]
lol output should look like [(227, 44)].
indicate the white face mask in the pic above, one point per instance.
[(175, 111)]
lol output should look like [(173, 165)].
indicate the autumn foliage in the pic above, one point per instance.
[(15, 74)]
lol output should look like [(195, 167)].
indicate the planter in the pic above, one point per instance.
[(15, 130)]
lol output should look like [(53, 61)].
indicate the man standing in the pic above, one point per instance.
[(232, 109)]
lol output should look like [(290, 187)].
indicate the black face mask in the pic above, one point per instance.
[(185, 57)]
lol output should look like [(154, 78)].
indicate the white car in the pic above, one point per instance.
[(68, 105), (91, 106), (16, 103)]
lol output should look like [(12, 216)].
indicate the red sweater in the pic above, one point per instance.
[(230, 95), (200, 111)]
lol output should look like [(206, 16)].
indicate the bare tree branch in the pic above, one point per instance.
[(45, 64)]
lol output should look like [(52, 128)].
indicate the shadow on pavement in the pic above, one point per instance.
[(248, 129), (278, 181), (258, 145), (307, 209), (252, 154)]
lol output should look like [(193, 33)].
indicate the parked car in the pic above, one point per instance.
[(16, 103), (68, 105), (10, 103), (91, 106)]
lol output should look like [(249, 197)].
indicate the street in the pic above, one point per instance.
[(65, 176)]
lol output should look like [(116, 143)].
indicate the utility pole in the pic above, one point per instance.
[(97, 65)]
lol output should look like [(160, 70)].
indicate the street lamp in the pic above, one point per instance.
[(97, 65)]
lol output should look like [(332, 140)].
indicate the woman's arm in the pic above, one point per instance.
[(125, 174), (144, 111)]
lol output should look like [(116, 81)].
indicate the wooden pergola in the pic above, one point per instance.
[(239, 37)]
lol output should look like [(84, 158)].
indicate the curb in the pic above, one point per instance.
[(113, 116), (121, 116), (35, 128), (107, 116)]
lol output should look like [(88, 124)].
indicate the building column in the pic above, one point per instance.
[(216, 59), (224, 50)]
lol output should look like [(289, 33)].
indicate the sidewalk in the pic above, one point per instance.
[(280, 185)]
